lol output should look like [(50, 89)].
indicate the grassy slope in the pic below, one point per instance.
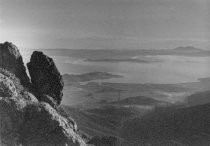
[(102, 121)]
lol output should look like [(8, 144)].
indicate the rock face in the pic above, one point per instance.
[(27, 122), (45, 76), (11, 60)]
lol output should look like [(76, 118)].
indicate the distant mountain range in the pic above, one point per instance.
[(138, 100), (89, 76), (188, 48), (134, 60), (128, 55)]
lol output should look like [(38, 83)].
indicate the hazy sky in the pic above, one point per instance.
[(105, 23)]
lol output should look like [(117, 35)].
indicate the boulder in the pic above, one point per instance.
[(11, 60), (45, 77)]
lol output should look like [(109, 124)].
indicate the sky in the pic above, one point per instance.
[(105, 24)]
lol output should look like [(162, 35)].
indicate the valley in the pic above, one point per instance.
[(107, 109)]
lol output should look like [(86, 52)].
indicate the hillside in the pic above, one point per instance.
[(198, 98), (175, 126), (101, 121)]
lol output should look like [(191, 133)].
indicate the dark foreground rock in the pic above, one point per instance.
[(45, 76), (11, 60), (27, 122)]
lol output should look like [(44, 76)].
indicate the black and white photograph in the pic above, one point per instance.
[(104, 72)]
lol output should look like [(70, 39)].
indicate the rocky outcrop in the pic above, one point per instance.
[(26, 121), (11, 60), (45, 76), (29, 116)]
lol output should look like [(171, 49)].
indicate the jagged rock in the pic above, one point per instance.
[(45, 76), (11, 60), (27, 122)]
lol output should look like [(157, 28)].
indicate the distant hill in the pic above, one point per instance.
[(114, 60), (198, 98), (138, 100), (89, 76), (188, 49)]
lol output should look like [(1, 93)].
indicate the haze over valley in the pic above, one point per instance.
[(130, 84)]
